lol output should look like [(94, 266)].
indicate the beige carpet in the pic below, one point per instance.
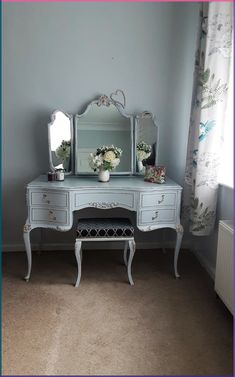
[(160, 326)]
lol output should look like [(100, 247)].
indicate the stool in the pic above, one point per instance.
[(105, 230)]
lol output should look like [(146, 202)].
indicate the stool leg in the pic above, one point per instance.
[(125, 252), (164, 241), (132, 252), (78, 246)]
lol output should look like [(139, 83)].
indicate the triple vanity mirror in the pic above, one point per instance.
[(104, 122)]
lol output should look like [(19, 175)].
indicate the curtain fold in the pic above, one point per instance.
[(211, 77)]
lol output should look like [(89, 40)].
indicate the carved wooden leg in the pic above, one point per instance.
[(125, 252), (78, 245), (179, 231), (40, 241), (132, 252), (27, 229)]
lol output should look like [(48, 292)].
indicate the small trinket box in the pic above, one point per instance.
[(155, 174)]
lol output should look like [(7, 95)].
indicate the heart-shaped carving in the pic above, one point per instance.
[(120, 101)]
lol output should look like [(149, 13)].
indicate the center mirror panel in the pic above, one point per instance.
[(103, 125)]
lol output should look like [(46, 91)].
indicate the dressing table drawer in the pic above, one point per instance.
[(157, 216), (45, 198), (56, 216), (105, 200), (158, 199)]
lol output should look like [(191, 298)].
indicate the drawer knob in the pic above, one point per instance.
[(51, 216), (44, 199), (162, 199), (156, 216)]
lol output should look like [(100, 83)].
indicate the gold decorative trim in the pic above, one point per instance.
[(104, 101), (27, 228), (103, 205), (116, 98), (179, 228)]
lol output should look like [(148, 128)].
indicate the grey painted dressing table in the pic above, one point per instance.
[(51, 204)]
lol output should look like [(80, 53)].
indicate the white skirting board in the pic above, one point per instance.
[(206, 264)]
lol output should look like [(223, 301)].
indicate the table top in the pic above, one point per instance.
[(135, 183)]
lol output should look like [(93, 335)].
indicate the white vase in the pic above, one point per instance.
[(140, 166), (103, 175)]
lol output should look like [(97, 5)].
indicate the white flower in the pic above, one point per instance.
[(95, 161), (63, 151), (98, 161), (109, 156), (115, 162), (142, 146), (119, 151), (142, 155)]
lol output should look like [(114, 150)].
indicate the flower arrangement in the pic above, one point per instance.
[(143, 151), (105, 158), (63, 151)]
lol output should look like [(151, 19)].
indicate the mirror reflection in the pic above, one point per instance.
[(102, 126), (60, 137), (146, 141)]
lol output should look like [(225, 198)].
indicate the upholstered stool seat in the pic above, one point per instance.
[(117, 229)]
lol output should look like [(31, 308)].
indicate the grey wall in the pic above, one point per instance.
[(62, 55)]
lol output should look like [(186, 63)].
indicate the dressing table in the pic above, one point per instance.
[(104, 122)]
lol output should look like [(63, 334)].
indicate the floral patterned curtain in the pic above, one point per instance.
[(211, 77)]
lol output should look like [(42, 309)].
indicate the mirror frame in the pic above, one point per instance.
[(138, 117), (104, 100), (53, 117)]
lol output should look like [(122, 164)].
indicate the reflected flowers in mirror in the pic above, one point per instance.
[(63, 151), (143, 151)]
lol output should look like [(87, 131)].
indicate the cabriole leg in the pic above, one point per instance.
[(26, 235), (40, 241), (132, 252), (179, 231), (78, 247), (125, 252)]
